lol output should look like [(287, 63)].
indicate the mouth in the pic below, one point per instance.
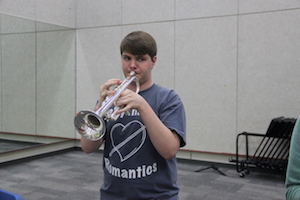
[(132, 73)]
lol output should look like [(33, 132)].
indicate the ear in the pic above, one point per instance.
[(154, 59)]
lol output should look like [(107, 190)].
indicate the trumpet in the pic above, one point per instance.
[(91, 125)]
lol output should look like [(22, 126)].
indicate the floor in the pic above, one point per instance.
[(74, 175), (10, 145)]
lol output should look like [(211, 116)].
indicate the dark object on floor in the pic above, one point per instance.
[(211, 167), (272, 153), (6, 195)]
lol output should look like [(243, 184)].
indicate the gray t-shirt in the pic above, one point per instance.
[(133, 169)]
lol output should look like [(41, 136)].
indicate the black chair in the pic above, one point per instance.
[(271, 155)]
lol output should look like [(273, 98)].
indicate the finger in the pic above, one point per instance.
[(109, 83), (123, 108), (104, 89)]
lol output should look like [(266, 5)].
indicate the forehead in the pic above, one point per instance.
[(132, 55)]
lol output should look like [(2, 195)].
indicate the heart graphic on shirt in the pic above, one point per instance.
[(127, 146)]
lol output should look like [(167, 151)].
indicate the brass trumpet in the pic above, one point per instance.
[(91, 125)]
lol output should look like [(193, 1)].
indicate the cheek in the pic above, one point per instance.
[(125, 65)]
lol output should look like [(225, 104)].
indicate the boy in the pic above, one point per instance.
[(140, 148)]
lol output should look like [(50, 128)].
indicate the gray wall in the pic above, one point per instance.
[(37, 77), (233, 62)]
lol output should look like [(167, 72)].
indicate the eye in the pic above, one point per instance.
[(141, 59), (126, 58)]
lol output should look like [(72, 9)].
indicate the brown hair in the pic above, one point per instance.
[(139, 43)]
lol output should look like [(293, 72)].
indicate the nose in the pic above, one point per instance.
[(133, 65)]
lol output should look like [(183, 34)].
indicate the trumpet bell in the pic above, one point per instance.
[(89, 125)]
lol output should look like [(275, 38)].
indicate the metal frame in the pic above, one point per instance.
[(271, 155)]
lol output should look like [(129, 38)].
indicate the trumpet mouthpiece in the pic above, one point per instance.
[(132, 73)]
